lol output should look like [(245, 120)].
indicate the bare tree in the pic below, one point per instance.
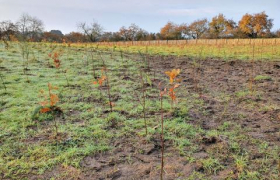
[(29, 27), (36, 27), (133, 29), (93, 31), (124, 33)]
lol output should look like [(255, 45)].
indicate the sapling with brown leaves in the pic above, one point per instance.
[(172, 79), (56, 57), (100, 81), (171, 92), (49, 104)]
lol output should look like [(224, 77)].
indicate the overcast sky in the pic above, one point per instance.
[(150, 15)]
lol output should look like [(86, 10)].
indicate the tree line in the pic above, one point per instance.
[(30, 28)]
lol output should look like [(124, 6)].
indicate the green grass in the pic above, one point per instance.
[(224, 51), (262, 78)]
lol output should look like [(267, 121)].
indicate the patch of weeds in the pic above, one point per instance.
[(211, 165), (262, 78)]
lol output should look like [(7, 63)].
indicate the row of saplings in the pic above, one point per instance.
[(49, 110)]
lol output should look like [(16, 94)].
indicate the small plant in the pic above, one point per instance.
[(145, 79), (240, 163), (48, 106), (25, 51), (105, 77), (262, 78), (100, 80), (172, 78), (55, 57), (211, 165), (172, 75)]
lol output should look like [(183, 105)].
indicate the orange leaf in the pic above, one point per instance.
[(176, 85), (54, 99), (44, 110), (172, 74), (43, 103)]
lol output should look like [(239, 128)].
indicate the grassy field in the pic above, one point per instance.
[(205, 51), (224, 123)]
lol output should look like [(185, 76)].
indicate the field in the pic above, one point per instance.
[(88, 111)]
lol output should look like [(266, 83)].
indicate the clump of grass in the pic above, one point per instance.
[(262, 78)]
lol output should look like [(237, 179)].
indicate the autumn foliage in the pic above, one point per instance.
[(50, 99), (55, 57), (172, 78), (172, 74), (255, 25), (101, 79)]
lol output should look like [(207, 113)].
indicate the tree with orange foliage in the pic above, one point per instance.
[(171, 31), (75, 37), (221, 27), (255, 25)]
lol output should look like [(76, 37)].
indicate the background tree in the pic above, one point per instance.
[(75, 37), (7, 29), (133, 30), (198, 28), (7, 32), (93, 31), (53, 36), (171, 31), (277, 33), (221, 27), (30, 28), (132, 33), (124, 34), (257, 25)]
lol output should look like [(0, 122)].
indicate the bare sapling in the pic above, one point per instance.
[(107, 82)]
